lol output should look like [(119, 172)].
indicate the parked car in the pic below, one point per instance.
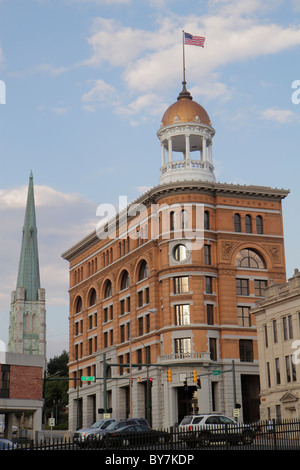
[(205, 428), (99, 434), (5, 444), (82, 435), (134, 435)]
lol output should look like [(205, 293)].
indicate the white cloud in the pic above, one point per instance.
[(100, 92), (281, 116), (234, 32)]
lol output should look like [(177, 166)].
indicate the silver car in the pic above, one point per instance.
[(82, 435)]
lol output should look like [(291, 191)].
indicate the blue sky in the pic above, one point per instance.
[(87, 82)]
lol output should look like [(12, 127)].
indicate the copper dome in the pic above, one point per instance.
[(185, 110)]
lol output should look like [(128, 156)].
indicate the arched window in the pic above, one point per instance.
[(78, 305), (108, 291), (92, 297), (237, 223), (259, 225), (184, 219), (125, 280), (248, 223), (248, 258), (206, 220), (143, 271), (172, 221)]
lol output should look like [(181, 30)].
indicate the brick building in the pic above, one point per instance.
[(170, 282), (21, 387)]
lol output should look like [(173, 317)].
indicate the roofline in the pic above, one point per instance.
[(155, 193)]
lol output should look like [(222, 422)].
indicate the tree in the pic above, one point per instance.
[(56, 391), (59, 365)]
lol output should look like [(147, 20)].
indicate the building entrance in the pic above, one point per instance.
[(250, 394), (187, 402)]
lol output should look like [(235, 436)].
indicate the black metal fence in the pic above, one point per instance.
[(269, 435)]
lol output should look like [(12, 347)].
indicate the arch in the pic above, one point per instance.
[(78, 304), (125, 280), (143, 270), (108, 289), (249, 258), (92, 297)]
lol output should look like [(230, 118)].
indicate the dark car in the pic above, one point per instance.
[(96, 438), (134, 435)]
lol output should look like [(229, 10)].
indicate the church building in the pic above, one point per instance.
[(160, 294)]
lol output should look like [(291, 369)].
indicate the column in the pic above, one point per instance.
[(169, 150), (203, 154), (187, 147), (162, 154), (210, 152)]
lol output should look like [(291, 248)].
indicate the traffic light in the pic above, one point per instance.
[(150, 381), (195, 375), (185, 385), (169, 375), (198, 383)]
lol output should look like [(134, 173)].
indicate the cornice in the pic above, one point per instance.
[(154, 194)]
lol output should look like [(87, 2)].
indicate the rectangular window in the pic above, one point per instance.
[(244, 317), (213, 349), (246, 350), (266, 336), (140, 298), (5, 381), (183, 346), (147, 323), (275, 336), (242, 287), (290, 327), (288, 368), (259, 287), (209, 314), (140, 323), (287, 325), (207, 254), (208, 285), (181, 284), (122, 334), (277, 370), (182, 314), (268, 375)]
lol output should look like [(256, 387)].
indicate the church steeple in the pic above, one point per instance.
[(27, 326), (29, 273)]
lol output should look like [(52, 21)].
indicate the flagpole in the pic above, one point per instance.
[(183, 56)]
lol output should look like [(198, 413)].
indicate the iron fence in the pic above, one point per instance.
[(269, 435)]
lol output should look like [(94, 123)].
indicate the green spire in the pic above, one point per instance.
[(29, 273)]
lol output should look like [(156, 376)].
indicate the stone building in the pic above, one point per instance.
[(278, 334), (169, 281)]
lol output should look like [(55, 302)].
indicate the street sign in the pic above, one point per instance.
[(87, 378), (236, 412), (51, 422), (216, 372)]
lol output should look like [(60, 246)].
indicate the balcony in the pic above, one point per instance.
[(203, 357)]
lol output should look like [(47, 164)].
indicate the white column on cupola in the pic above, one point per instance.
[(203, 154), (162, 153), (210, 152), (169, 150), (187, 147)]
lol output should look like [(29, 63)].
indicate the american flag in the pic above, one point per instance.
[(193, 40)]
